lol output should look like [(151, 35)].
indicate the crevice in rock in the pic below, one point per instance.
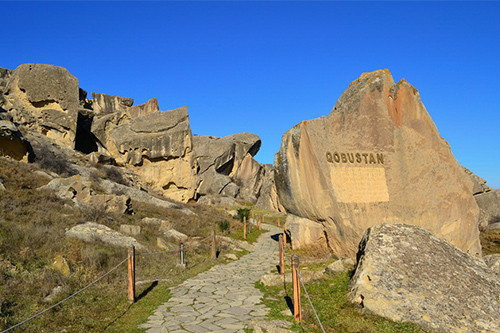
[(85, 140)]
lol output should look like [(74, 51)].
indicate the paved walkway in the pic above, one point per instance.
[(222, 299)]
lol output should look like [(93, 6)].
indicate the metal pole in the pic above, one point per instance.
[(214, 251), (182, 254)]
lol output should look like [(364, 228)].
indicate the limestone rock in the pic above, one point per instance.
[(376, 158), (479, 184), (221, 170), (157, 146), (130, 229), (164, 245), (105, 104), (12, 142), (61, 265), (80, 190), (493, 262), (406, 274), (143, 109), (335, 267), (53, 294), (489, 203), (175, 235), (91, 232), (311, 233), (268, 196), (44, 98)]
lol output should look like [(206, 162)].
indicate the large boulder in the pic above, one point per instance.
[(157, 146), (406, 274), (376, 158), (226, 167), (45, 99)]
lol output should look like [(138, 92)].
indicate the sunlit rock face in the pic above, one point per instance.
[(45, 99), (376, 158)]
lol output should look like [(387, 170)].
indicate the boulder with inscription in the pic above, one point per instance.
[(407, 274), (44, 99), (376, 158)]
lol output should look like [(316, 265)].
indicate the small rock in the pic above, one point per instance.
[(335, 267), (178, 236), (56, 291), (2, 187), (233, 213), (164, 245), (287, 313), (274, 279), (91, 232), (494, 226), (165, 226), (61, 265), (151, 220), (129, 229), (230, 256)]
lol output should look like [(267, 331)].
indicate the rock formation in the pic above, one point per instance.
[(407, 274), (487, 199), (226, 166), (45, 99), (12, 142), (376, 158)]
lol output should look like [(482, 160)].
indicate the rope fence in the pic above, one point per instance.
[(131, 258)]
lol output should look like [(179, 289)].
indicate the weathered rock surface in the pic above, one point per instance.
[(143, 109), (92, 232), (493, 262), (479, 184), (45, 99), (226, 166), (157, 146), (268, 195), (311, 233), (489, 203), (104, 104), (376, 158), (407, 274), (12, 142)]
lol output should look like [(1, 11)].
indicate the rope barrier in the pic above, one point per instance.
[(67, 298), (310, 302), (151, 253)]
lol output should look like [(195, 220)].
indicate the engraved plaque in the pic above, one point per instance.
[(359, 185)]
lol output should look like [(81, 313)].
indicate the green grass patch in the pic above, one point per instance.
[(337, 314)]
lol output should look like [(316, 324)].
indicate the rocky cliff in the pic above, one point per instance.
[(156, 146)]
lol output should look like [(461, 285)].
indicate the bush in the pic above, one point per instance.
[(243, 212), (224, 226), (49, 160)]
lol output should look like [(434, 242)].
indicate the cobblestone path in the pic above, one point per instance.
[(222, 299)]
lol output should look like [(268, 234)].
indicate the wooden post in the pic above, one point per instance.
[(253, 214), (279, 224), (214, 251), (131, 274), (297, 311), (260, 223), (282, 256), (244, 227), (284, 236)]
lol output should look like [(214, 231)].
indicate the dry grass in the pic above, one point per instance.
[(32, 234)]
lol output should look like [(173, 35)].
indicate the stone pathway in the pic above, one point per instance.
[(222, 299)]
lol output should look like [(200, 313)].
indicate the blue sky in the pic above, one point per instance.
[(263, 67)]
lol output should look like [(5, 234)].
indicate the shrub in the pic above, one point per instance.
[(50, 160), (224, 226), (243, 212)]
